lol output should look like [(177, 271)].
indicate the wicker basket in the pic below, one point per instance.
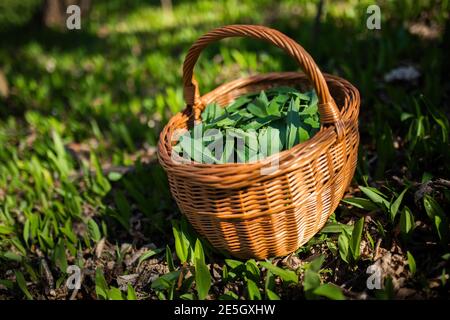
[(235, 206)]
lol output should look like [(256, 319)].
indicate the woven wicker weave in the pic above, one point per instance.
[(234, 205)]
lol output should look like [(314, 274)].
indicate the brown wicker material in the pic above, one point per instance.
[(233, 205)]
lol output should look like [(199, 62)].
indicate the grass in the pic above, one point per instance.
[(80, 185)]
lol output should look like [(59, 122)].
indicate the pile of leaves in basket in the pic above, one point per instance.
[(251, 128)]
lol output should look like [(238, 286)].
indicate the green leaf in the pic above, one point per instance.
[(269, 141), (259, 106), (20, 279), (131, 294), (303, 134), (285, 275), (252, 269), (193, 146), (253, 290), (228, 150), (124, 209), (272, 295), (198, 251), (237, 104), (181, 243), (426, 177), (432, 207), (211, 112), (230, 295), (60, 257), (169, 259), (446, 256), (225, 274), (311, 280), (274, 108), (101, 182), (387, 293), (313, 99), (336, 227), (406, 222), (258, 123), (12, 256), (263, 97), (115, 294), (114, 176), (101, 286), (7, 283), (245, 115), (396, 205), (26, 231), (258, 110), (356, 239), (187, 296), (269, 282), (411, 263), (316, 264), (94, 231), (202, 275), (34, 277), (228, 120), (233, 264), (165, 281), (311, 110), (148, 254), (59, 158), (313, 122), (280, 99), (242, 138), (361, 203), (438, 217), (441, 227), (329, 291), (332, 247), (67, 231), (375, 196), (439, 117), (5, 230), (293, 123), (343, 245), (405, 116)]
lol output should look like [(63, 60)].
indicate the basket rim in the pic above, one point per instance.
[(323, 134)]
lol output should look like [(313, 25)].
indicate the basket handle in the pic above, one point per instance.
[(329, 113)]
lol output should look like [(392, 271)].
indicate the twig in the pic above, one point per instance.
[(428, 187), (377, 249), (442, 182), (181, 277), (48, 274), (423, 188)]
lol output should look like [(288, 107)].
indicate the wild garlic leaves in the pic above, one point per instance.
[(252, 127)]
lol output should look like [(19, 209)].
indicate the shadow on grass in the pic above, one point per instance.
[(140, 207)]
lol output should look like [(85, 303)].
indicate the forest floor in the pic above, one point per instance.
[(80, 184)]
